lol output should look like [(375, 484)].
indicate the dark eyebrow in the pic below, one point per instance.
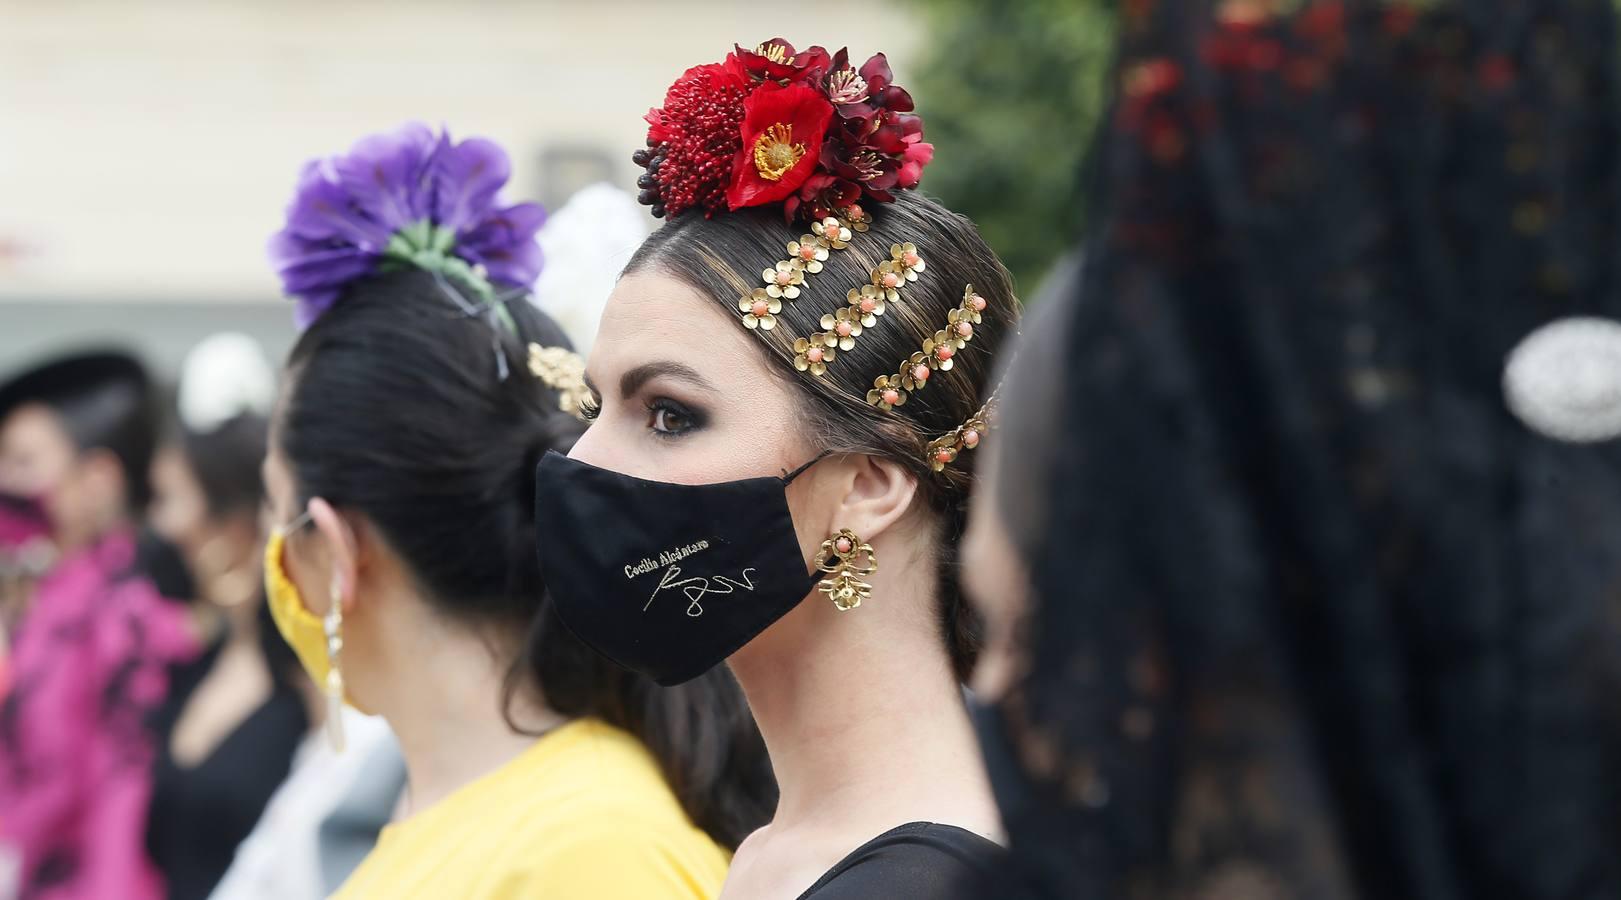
[(632, 381)]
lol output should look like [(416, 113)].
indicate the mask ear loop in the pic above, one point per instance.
[(789, 478)]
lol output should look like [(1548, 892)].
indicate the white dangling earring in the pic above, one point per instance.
[(334, 674)]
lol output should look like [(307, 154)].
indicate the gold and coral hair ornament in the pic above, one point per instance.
[(785, 279), (841, 327), (937, 354), (944, 450)]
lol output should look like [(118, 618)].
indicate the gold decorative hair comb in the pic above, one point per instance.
[(944, 450), (805, 257), (890, 391), (563, 371), (785, 281)]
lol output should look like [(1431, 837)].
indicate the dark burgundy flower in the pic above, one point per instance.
[(881, 83), (847, 89), (782, 129), (821, 196), (877, 72), (776, 60)]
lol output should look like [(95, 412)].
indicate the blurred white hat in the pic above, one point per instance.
[(222, 377), (587, 243), (1564, 379)]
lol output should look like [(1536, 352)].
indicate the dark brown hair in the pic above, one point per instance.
[(724, 258)]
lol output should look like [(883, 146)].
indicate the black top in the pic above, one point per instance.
[(916, 861), (200, 814)]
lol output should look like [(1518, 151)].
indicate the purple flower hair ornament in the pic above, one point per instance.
[(408, 198)]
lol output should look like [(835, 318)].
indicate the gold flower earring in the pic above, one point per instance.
[(841, 556), (333, 624)]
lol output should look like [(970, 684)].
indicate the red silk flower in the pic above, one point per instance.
[(783, 130)]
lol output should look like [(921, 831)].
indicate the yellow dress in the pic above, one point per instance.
[(584, 813)]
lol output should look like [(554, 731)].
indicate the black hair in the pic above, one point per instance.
[(227, 463), (104, 401), (723, 256), (395, 408)]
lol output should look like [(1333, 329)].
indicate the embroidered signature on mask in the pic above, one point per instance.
[(698, 587)]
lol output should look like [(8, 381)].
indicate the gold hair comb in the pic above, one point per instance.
[(890, 391), (563, 371), (943, 451), (841, 327), (805, 257), (784, 281)]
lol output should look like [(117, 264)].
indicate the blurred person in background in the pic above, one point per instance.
[(401, 471), (324, 820), (586, 243), (93, 638), (233, 717), (787, 385), (1284, 600)]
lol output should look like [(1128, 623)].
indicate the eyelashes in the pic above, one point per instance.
[(669, 419), (666, 419)]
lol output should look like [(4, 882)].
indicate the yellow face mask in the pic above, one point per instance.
[(317, 643), (299, 627)]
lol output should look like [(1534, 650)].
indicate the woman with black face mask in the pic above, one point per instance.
[(402, 569), (1283, 599), (789, 383)]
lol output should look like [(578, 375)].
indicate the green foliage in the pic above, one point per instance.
[(1010, 92)]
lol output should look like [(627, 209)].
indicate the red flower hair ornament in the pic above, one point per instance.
[(803, 128)]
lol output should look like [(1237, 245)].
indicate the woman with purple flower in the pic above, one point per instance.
[(415, 407)]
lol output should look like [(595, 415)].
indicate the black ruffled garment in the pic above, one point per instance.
[(201, 813)]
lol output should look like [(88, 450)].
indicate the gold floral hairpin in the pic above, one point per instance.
[(944, 450), (841, 327), (939, 350), (563, 371), (806, 256)]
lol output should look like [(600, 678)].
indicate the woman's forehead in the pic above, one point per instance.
[(654, 317), (37, 426)]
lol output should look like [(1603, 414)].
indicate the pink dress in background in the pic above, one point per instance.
[(88, 663)]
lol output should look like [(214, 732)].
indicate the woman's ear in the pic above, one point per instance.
[(343, 548), (875, 493)]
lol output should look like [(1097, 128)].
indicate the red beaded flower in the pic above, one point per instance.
[(803, 128)]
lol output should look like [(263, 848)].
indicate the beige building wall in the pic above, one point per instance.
[(147, 148)]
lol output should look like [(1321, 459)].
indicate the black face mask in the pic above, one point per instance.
[(666, 579)]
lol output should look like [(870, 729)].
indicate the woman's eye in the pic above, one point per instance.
[(590, 409), (671, 419)]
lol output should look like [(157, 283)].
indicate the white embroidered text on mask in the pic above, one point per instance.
[(667, 558)]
